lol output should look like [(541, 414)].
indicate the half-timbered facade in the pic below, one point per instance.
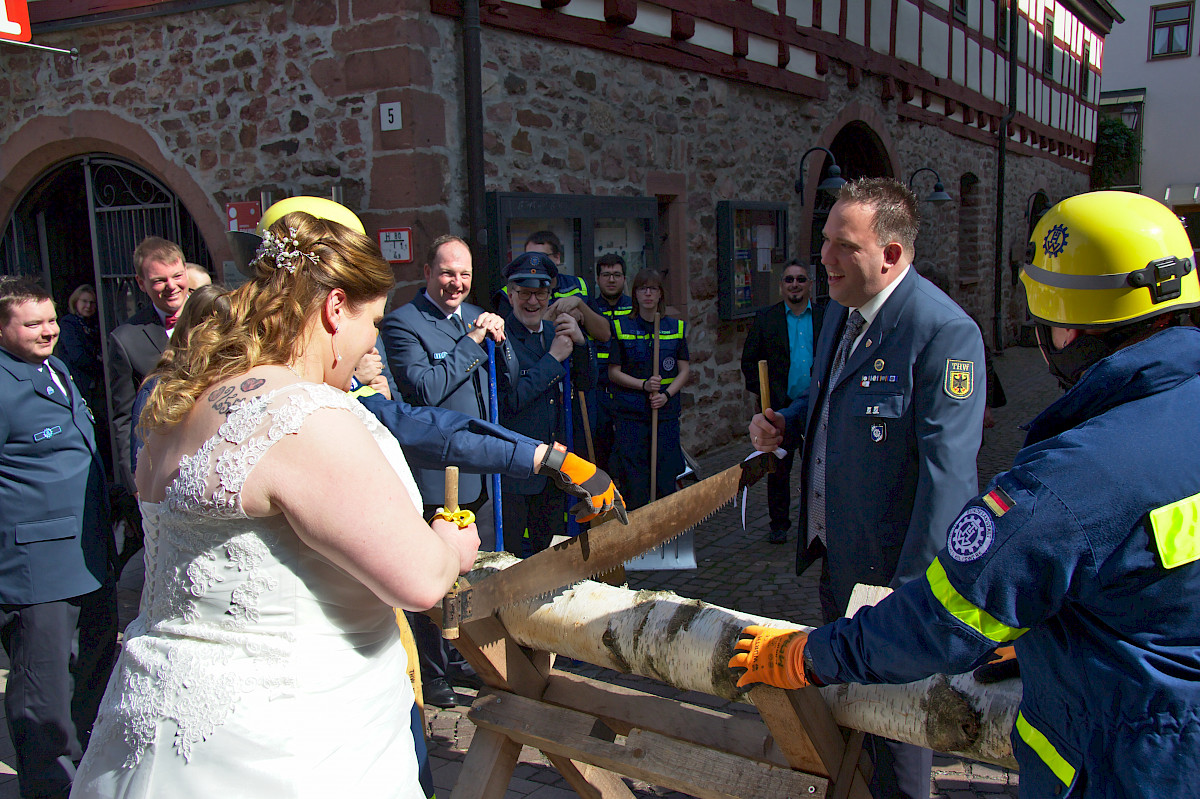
[(672, 131)]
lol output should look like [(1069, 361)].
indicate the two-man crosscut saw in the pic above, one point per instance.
[(598, 550)]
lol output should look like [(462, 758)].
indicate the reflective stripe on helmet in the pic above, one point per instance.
[(960, 608)]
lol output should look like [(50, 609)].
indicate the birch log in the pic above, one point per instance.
[(687, 644)]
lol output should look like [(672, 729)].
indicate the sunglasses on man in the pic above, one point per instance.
[(795, 279)]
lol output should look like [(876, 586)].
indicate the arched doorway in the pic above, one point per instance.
[(80, 222), (860, 153)]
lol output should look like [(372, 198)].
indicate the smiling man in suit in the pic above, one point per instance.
[(435, 349), (135, 347), (58, 614), (892, 423)]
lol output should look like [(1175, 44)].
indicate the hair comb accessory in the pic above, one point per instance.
[(283, 250)]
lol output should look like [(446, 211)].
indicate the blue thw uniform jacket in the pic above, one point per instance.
[(434, 438), (634, 350), (1086, 556), (621, 310)]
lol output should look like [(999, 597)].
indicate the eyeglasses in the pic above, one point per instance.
[(612, 275), (801, 279), (648, 289), (541, 295)]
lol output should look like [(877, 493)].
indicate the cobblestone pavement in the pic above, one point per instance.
[(736, 570)]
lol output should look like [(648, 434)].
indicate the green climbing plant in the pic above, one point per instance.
[(1118, 152)]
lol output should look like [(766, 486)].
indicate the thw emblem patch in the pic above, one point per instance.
[(959, 382)]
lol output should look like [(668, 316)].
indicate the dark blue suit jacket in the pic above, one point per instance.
[(134, 350), (904, 432), (531, 397), (435, 363), (55, 536)]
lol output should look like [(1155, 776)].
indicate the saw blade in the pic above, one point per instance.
[(598, 550)]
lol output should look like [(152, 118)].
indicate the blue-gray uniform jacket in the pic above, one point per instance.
[(1086, 556), (905, 422), (435, 363), (531, 399), (55, 536)]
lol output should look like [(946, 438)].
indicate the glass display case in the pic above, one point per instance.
[(752, 251)]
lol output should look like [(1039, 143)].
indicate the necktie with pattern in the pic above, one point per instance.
[(816, 481)]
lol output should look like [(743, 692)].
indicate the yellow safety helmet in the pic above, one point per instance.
[(319, 207), (245, 245), (1108, 258)]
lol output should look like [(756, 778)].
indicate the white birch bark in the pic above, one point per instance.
[(687, 644)]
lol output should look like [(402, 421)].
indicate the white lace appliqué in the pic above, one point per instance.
[(195, 651)]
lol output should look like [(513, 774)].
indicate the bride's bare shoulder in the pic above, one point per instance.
[(219, 398)]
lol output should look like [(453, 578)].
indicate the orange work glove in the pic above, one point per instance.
[(583, 479), (775, 657)]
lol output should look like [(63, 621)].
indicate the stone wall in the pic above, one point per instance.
[(284, 97), (565, 120)]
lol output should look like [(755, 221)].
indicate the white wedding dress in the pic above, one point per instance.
[(256, 667)]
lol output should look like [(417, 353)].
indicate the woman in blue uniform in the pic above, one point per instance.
[(639, 386)]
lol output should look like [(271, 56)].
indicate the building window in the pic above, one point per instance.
[(1002, 23), (960, 10), (1085, 70), (1171, 30), (1048, 45)]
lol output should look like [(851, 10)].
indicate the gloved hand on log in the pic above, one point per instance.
[(1002, 666), (774, 657), (585, 480)]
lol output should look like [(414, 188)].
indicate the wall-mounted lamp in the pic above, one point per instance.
[(1031, 201), (830, 184), (938, 195), (1130, 114)]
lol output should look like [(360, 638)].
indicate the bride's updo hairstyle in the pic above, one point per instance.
[(301, 260)]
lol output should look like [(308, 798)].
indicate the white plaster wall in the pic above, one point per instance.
[(1171, 148)]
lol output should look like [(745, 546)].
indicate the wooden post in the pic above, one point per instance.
[(587, 426), (764, 387), (654, 422)]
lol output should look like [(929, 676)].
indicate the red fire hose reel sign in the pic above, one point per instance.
[(14, 20)]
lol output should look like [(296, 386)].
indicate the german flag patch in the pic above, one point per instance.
[(998, 501)]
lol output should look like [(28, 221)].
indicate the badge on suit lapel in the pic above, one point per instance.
[(879, 432), (49, 432)]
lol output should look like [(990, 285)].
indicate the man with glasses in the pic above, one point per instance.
[(783, 336), (531, 398), (613, 303)]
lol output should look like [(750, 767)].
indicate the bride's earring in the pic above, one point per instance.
[(337, 356)]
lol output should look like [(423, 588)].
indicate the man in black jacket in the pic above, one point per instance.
[(783, 335), (135, 346)]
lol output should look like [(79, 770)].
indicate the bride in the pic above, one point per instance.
[(282, 525)]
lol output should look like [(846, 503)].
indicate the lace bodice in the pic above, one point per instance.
[(234, 607)]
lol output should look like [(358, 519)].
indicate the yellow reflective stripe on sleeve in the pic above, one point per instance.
[(1045, 750), (974, 617), (363, 391), (1177, 531)]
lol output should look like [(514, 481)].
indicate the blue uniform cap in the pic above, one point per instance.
[(532, 270)]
